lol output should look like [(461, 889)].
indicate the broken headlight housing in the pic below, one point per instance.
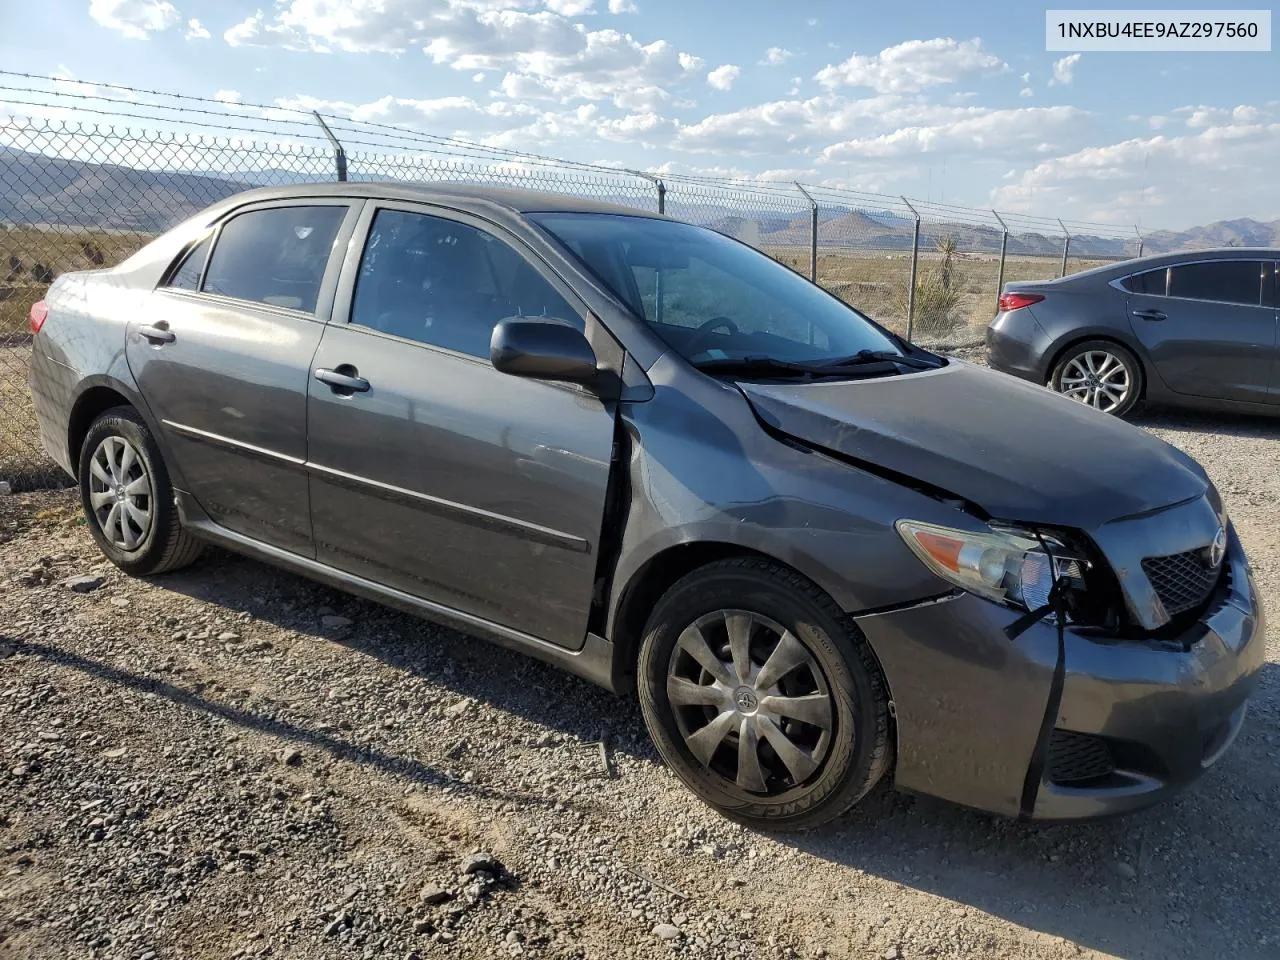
[(1004, 564)]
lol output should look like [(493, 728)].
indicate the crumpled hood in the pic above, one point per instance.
[(1015, 449)]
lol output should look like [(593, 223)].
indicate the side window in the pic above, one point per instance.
[(1226, 281), (447, 284), (276, 256), (187, 276), (1152, 282)]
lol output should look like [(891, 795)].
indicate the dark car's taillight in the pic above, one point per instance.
[(39, 314), (1016, 301)]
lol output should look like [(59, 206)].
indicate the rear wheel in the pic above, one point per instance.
[(128, 499), (762, 696), (1099, 374)]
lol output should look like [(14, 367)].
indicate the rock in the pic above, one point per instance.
[(290, 756), (334, 622), (478, 862), (893, 953), (6, 488), (84, 584), (228, 637), (119, 601), (667, 931), (458, 709), (434, 893), (1125, 870), (422, 926)]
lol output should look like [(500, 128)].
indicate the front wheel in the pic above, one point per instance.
[(1099, 374), (128, 499), (762, 696)]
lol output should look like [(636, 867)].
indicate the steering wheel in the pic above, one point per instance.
[(700, 335)]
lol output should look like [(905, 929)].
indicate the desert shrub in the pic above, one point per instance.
[(940, 288)]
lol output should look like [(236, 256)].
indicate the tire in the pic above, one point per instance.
[(851, 753), (118, 442), (1103, 361)]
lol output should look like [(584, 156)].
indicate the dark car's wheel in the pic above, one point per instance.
[(128, 499), (762, 695), (1099, 374)]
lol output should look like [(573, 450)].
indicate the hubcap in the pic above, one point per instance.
[(750, 701), (1096, 378), (120, 492)]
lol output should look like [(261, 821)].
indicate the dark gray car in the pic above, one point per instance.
[(1195, 329), (653, 456)]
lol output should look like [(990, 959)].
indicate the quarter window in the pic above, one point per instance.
[(187, 276), (275, 256), (447, 284), (1224, 281), (1152, 282)]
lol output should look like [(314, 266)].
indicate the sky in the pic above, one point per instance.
[(942, 101)]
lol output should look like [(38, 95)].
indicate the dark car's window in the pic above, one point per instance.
[(276, 256), (441, 282), (1225, 281), (709, 297), (187, 276), (1152, 282)]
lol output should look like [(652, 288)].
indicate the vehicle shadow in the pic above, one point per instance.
[(1163, 883), (1187, 878), (1197, 421)]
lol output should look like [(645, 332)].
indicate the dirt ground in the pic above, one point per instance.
[(233, 762)]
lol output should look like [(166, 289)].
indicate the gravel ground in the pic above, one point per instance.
[(233, 762)]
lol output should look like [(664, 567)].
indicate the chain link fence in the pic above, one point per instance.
[(80, 194)]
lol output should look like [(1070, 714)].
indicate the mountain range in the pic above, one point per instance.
[(50, 191)]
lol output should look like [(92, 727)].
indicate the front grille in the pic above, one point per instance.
[(1074, 757), (1182, 581)]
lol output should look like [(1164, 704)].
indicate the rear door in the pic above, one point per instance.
[(436, 474), (222, 352), (1206, 327)]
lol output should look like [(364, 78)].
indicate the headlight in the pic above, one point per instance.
[(1005, 565)]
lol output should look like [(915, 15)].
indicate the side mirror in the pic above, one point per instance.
[(544, 349)]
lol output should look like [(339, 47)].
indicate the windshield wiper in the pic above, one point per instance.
[(863, 357), (759, 366)]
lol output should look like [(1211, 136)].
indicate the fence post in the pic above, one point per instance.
[(915, 266), (1066, 246), (1141, 239), (657, 182), (1004, 248), (813, 233), (339, 154)]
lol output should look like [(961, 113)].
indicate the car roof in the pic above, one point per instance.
[(508, 198)]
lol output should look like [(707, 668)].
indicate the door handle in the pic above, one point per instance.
[(342, 380), (157, 333), (1150, 314)]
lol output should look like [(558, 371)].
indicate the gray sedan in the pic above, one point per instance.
[(1192, 329), (651, 455)]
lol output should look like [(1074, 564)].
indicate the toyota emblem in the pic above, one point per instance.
[(1218, 550)]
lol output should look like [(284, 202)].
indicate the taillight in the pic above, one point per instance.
[(1016, 301), (39, 314)]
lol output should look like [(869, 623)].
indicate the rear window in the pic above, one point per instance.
[(275, 256), (1152, 282), (1224, 281)]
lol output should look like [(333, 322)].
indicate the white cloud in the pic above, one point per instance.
[(723, 76), (543, 52), (1064, 70), (1026, 77), (912, 66), (571, 8), (796, 83), (1216, 168), (812, 21), (196, 30), (977, 130), (228, 96), (623, 6), (1026, 92), (776, 56), (134, 18)]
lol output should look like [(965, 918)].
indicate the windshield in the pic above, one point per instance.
[(711, 298)]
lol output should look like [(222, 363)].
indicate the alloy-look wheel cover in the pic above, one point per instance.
[(1096, 378), (121, 493), (750, 701)]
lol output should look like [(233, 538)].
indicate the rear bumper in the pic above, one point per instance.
[(1016, 345), (970, 703)]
